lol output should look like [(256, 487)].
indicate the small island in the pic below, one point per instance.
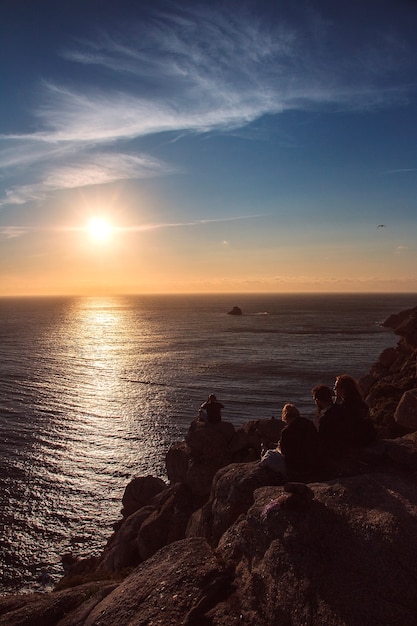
[(235, 311)]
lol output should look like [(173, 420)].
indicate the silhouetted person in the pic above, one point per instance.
[(213, 409), (361, 430), (299, 442), (331, 422)]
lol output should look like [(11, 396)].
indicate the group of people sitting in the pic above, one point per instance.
[(342, 421)]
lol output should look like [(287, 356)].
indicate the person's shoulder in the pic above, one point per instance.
[(310, 426), (306, 422), (284, 431), (303, 424), (336, 410)]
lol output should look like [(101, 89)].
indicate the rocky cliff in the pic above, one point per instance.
[(226, 542), (391, 386)]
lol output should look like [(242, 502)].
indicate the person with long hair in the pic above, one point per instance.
[(331, 421), (361, 429)]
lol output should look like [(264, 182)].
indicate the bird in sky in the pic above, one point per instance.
[(381, 226)]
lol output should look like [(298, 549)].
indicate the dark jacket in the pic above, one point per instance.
[(334, 430), (361, 429), (213, 409), (299, 444)]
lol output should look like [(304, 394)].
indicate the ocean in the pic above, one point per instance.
[(95, 390)]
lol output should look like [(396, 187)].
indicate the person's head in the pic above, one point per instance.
[(322, 395), (212, 397), (346, 389), (289, 413)]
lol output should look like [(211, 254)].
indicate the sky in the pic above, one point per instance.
[(208, 147)]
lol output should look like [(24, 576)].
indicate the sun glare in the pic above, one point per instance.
[(99, 228)]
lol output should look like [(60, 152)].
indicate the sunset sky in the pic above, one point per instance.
[(227, 146)]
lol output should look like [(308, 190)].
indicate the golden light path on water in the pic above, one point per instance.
[(106, 421), (119, 424)]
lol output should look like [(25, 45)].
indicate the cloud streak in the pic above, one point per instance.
[(72, 169), (406, 170), (196, 70), (205, 70), (9, 232)]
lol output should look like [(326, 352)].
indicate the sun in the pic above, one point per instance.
[(99, 228)]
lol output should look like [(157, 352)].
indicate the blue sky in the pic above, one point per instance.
[(231, 146)]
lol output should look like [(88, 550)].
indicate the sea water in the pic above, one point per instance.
[(95, 390)]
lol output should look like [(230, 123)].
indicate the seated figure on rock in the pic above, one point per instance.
[(298, 447), (331, 422), (361, 429), (211, 410)]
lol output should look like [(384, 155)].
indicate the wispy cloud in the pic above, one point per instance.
[(333, 281), (9, 232), (204, 70), (408, 169), (196, 70), (70, 169), (400, 249)]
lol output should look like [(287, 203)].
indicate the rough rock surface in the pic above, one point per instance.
[(139, 491), (406, 411), (393, 375), (231, 496), (328, 554), (209, 447), (161, 521), (341, 558), (225, 543)]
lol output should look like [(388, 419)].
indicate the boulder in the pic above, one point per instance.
[(176, 462), (388, 357), (139, 492), (231, 495), (403, 451), (168, 522), (53, 608), (208, 441), (181, 584), (161, 522), (406, 412), (122, 549), (206, 449)]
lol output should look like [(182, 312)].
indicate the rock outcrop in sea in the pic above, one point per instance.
[(235, 311), (226, 542)]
